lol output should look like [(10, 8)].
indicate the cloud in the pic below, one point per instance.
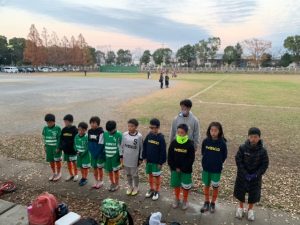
[(137, 23)]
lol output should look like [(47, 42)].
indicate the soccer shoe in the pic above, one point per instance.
[(185, 205), (70, 177), (175, 204), (129, 191), (155, 196), (251, 216), (135, 191), (111, 187), (239, 213), (115, 187), (99, 184), (82, 182), (52, 177), (149, 193), (205, 207), (212, 207), (57, 177), (76, 178)]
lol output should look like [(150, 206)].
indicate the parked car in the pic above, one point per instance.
[(54, 69), (22, 70), (29, 69), (45, 69), (10, 69)]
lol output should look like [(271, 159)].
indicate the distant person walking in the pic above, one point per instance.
[(149, 74), (187, 117), (161, 80), (167, 78)]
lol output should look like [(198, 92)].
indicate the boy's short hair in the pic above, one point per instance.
[(254, 131), (111, 125), (155, 122), (95, 119), (83, 125), (49, 117), (69, 118), (187, 103), (183, 127), (134, 122)]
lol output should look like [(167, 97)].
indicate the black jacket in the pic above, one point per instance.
[(154, 149), (214, 154), (250, 160), (67, 140), (181, 156), (95, 148)]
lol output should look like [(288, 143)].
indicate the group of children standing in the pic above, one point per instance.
[(111, 151)]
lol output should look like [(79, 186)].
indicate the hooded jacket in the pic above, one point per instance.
[(194, 127)]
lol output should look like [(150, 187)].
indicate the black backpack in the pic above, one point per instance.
[(87, 221)]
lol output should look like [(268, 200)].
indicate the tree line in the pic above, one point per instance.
[(44, 48)]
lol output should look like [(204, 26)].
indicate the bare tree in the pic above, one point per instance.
[(255, 49)]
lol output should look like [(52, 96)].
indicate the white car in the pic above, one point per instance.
[(10, 69), (45, 69)]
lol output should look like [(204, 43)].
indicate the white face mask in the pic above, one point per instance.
[(184, 112)]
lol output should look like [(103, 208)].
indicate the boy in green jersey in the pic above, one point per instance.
[(111, 140), (51, 135)]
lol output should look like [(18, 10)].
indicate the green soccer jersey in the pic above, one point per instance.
[(81, 143), (111, 143), (51, 136)]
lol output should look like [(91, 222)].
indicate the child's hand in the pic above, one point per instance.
[(177, 170), (159, 166), (57, 150), (122, 165), (145, 160)]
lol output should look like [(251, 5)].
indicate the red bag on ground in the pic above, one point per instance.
[(42, 211)]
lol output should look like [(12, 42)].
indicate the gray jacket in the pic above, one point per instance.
[(194, 127)]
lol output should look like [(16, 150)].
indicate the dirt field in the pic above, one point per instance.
[(270, 102)]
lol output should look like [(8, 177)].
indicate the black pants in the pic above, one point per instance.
[(161, 85)]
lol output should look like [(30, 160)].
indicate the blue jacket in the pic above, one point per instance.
[(154, 149), (94, 147), (214, 154)]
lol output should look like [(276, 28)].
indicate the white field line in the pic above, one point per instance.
[(209, 87), (249, 105)]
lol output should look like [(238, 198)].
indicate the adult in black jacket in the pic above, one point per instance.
[(252, 162)]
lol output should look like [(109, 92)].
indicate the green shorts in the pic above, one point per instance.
[(70, 158), (84, 161), (112, 163), (180, 179), (97, 163), (153, 169), (52, 155), (211, 178)]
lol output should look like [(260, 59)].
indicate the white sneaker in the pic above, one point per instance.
[(149, 193), (239, 213), (52, 177), (57, 177), (99, 184), (76, 178), (251, 216), (155, 196)]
